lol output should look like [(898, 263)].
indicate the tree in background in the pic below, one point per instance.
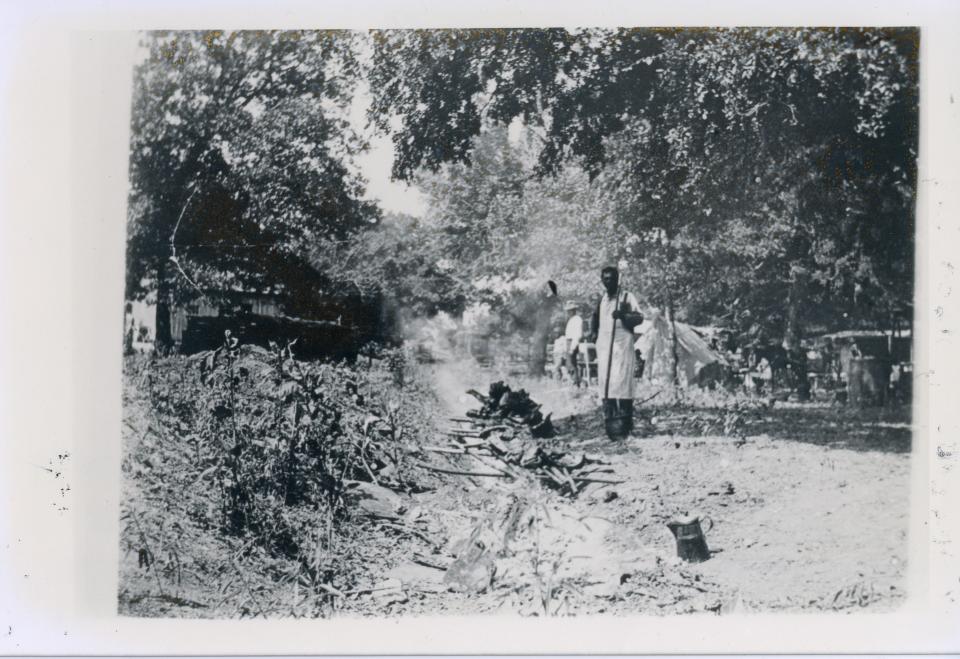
[(761, 178), (239, 161), (397, 260), (500, 233), (475, 216)]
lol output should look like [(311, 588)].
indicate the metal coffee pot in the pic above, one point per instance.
[(691, 543)]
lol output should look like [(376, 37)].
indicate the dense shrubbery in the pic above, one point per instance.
[(246, 459)]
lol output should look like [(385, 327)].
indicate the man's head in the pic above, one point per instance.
[(610, 277), (571, 308)]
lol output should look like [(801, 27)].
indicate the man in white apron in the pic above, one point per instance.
[(613, 321)]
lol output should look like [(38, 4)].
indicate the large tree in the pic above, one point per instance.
[(761, 176), (239, 160)]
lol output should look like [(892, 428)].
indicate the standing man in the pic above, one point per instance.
[(573, 335), (613, 321), (546, 304)]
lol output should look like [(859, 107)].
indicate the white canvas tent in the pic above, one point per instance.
[(697, 363)]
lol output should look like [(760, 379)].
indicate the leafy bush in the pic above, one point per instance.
[(242, 467)]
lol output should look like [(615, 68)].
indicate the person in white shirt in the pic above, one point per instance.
[(573, 334)]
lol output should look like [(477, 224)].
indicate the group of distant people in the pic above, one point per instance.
[(764, 366)]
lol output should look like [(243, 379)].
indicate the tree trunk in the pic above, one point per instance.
[(164, 338), (672, 316), (674, 350), (128, 337), (793, 333), (793, 336)]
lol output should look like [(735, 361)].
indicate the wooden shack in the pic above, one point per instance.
[(217, 304), (329, 327)]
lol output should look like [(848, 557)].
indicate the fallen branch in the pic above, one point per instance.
[(173, 599), (580, 479), (476, 394), (507, 468), (464, 433), (466, 443), (429, 561), (407, 529), (564, 478), (649, 398), (489, 429), (458, 472), (441, 449)]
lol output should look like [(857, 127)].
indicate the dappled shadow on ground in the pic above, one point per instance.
[(884, 429)]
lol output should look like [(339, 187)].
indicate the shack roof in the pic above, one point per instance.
[(861, 334)]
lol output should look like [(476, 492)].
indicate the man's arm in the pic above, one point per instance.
[(630, 315)]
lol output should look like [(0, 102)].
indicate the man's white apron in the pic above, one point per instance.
[(624, 358)]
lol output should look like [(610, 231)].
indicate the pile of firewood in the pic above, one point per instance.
[(512, 407), (503, 437)]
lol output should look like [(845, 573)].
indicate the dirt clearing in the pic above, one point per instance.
[(808, 506)]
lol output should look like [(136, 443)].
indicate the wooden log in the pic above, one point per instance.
[(551, 475), (505, 468), (442, 449), (566, 478), (463, 433), (453, 465), (489, 429), (581, 479), (407, 529), (463, 443), (647, 399), (460, 472), (476, 394), (431, 561)]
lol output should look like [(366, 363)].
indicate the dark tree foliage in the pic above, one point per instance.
[(767, 176), (444, 84), (399, 261), (238, 161)]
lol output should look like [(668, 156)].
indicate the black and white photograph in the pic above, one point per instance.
[(396, 328), (547, 322)]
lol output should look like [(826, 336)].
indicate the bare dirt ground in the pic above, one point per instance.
[(794, 523), (809, 508), (809, 505)]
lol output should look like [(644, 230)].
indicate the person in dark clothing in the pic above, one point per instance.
[(614, 319), (546, 307)]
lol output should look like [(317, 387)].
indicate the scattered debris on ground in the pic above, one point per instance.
[(506, 439), (501, 509)]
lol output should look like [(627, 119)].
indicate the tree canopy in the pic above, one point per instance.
[(760, 177), (239, 160)]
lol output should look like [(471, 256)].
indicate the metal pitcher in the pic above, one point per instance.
[(691, 543)]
